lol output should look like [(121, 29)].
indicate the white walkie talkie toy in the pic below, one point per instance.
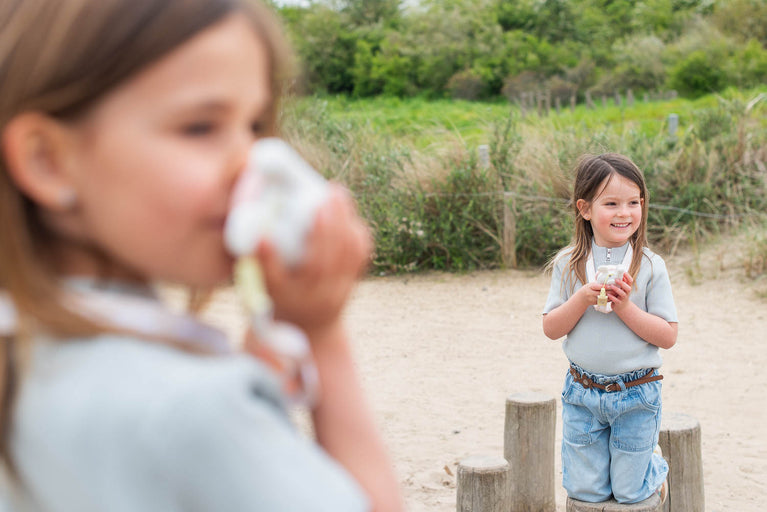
[(276, 198)]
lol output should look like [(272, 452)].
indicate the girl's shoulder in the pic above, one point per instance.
[(652, 256), (562, 257), (128, 382)]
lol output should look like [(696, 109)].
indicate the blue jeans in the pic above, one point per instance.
[(608, 439)]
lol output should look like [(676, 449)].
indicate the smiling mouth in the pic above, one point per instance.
[(621, 225)]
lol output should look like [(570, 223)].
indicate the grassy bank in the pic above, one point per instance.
[(413, 166)]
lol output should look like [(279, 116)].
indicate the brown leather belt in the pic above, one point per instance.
[(587, 383)]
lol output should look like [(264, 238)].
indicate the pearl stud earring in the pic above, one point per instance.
[(67, 198)]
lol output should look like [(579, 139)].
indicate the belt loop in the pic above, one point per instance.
[(622, 385)]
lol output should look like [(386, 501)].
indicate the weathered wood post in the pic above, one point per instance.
[(528, 445), (630, 98), (680, 442), (483, 484), (483, 152), (547, 99), (558, 105), (573, 100), (509, 239), (673, 124), (617, 99), (651, 504), (589, 101)]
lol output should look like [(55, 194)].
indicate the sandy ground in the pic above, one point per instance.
[(439, 354)]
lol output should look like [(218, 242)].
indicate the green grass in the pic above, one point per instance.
[(413, 167), (422, 124)]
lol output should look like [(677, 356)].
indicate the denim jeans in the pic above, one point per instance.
[(608, 439)]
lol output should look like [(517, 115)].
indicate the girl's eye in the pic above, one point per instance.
[(257, 128), (197, 129)]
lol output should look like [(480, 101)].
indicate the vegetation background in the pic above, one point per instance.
[(394, 100)]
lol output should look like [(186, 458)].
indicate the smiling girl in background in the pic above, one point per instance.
[(124, 127), (611, 402)]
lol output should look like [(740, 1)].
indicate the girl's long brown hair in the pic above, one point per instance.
[(591, 174), (59, 58)]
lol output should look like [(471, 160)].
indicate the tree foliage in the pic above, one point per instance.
[(486, 48)]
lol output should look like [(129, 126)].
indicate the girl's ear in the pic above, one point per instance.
[(584, 208), (35, 146)]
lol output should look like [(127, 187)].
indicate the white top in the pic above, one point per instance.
[(602, 343), (117, 423)]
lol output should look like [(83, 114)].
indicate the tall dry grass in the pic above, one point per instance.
[(436, 206)]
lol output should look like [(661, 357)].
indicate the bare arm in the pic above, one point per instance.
[(344, 425), (561, 320), (651, 328), (312, 296)]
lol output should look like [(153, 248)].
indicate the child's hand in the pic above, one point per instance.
[(588, 294), (312, 294), (618, 293)]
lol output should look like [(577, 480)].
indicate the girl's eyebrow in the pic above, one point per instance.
[(210, 106)]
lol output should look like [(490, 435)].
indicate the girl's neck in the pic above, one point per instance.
[(594, 243), (83, 261)]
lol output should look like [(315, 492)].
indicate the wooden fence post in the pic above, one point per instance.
[(483, 484), (509, 238), (589, 101), (680, 442), (483, 152), (528, 445)]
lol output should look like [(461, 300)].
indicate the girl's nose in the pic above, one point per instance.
[(240, 152)]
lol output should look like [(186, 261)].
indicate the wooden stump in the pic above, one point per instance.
[(680, 442), (651, 504), (483, 484), (528, 445)]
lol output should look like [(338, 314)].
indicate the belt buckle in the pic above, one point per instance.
[(613, 386)]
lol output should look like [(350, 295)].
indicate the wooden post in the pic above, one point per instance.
[(589, 101), (573, 100), (651, 504), (617, 99), (483, 151), (558, 105), (509, 239), (528, 445), (539, 99), (483, 484), (548, 102), (630, 98), (680, 442)]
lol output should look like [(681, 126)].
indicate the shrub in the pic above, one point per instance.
[(697, 75), (465, 85)]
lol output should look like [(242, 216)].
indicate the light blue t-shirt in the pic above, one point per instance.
[(601, 343), (117, 424)]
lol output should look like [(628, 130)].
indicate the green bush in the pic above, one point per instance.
[(435, 206), (698, 74)]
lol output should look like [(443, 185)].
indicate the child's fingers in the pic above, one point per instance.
[(275, 270)]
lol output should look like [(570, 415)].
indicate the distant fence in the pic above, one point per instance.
[(542, 101)]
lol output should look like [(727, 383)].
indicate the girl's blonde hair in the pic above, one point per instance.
[(59, 58), (591, 174)]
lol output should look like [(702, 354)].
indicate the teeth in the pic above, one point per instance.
[(625, 224)]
